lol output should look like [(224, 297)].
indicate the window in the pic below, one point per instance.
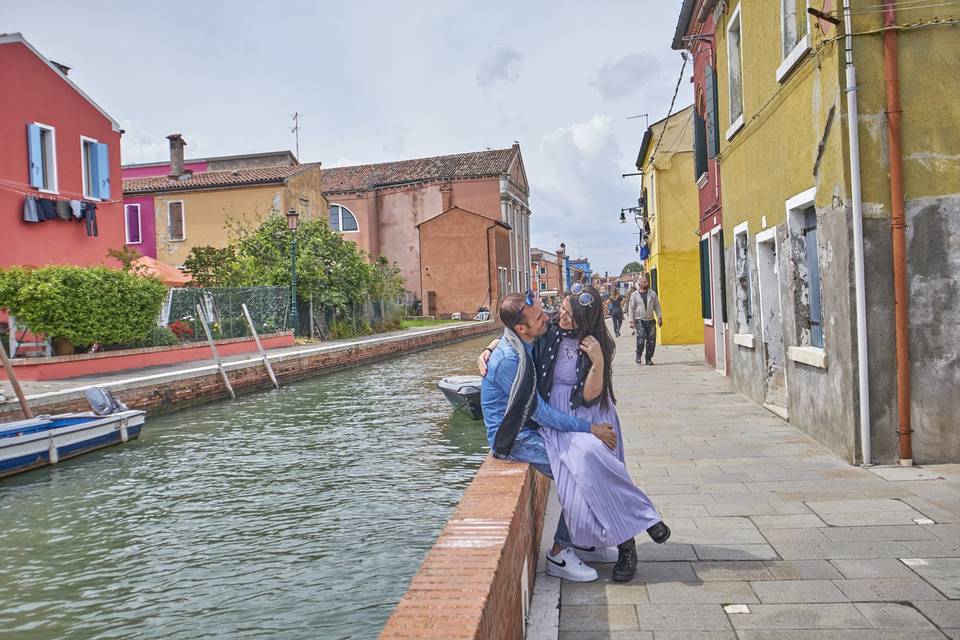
[(706, 308), (793, 24), (95, 160), (699, 147), (735, 72), (794, 35), (543, 270), (176, 227), (741, 241), (42, 148), (132, 222), (543, 286), (305, 208), (342, 219), (805, 264)]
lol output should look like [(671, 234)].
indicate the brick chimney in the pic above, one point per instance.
[(446, 197), (177, 143)]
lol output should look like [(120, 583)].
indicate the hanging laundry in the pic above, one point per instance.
[(30, 210), (90, 218), (63, 209), (76, 208), (47, 209)]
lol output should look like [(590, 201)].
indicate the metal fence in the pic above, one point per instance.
[(372, 316), (269, 309)]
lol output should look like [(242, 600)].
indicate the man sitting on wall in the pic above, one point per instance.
[(509, 397)]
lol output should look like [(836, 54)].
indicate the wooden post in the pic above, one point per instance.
[(256, 338), (216, 356), (15, 384)]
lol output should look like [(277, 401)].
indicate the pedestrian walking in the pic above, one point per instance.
[(644, 305), (615, 307)]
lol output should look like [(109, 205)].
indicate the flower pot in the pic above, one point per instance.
[(62, 347)]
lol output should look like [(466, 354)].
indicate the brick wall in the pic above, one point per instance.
[(471, 584), (180, 390)]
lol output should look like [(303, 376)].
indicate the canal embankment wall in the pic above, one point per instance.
[(162, 389), (476, 581)]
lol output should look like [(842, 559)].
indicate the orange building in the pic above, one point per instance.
[(472, 256), (546, 273)]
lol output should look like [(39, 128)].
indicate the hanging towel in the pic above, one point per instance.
[(63, 209), (30, 210), (47, 209), (76, 208)]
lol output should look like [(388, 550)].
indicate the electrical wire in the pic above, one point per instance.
[(673, 100), (903, 5)]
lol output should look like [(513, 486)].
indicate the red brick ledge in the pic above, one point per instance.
[(471, 585)]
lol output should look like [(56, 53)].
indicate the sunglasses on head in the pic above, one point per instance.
[(585, 299), (528, 301)]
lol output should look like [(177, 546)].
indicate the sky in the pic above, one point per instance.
[(377, 81)]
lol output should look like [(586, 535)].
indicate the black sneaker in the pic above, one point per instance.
[(626, 566), (639, 360), (649, 363), (659, 532)]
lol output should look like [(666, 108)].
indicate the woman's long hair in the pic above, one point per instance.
[(588, 321)]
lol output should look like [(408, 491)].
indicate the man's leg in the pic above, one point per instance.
[(640, 341), (651, 334)]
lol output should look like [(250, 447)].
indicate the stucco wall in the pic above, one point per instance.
[(205, 215)]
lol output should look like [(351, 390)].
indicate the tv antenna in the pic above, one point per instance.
[(295, 130)]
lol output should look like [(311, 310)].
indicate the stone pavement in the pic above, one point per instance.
[(773, 535)]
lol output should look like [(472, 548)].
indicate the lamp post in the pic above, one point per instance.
[(293, 218)]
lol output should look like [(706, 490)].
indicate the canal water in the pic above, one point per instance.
[(298, 513)]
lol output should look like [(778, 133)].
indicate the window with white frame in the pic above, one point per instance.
[(176, 225), (95, 169), (793, 24), (543, 286), (132, 223), (42, 148), (805, 263), (543, 270), (342, 219), (742, 274), (735, 67)]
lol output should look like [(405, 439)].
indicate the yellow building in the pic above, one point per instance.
[(792, 216), (192, 208), (672, 214)]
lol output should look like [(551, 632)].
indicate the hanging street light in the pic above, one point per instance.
[(293, 219)]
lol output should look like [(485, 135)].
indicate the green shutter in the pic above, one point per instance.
[(699, 146), (712, 130), (705, 307)]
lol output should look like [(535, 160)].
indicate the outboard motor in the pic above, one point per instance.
[(102, 401)]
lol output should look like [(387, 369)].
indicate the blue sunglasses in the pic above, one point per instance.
[(528, 301)]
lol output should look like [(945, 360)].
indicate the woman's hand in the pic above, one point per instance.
[(590, 346), (485, 356)]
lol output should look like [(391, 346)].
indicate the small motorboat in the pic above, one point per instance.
[(463, 392), (44, 440)]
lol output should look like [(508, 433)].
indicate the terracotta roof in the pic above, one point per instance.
[(215, 179), (364, 177)]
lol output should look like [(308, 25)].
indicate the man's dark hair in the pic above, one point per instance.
[(511, 308)]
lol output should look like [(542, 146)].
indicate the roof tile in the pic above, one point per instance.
[(215, 179)]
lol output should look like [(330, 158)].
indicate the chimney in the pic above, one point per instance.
[(446, 197), (177, 143)]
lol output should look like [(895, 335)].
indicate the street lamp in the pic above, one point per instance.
[(293, 218)]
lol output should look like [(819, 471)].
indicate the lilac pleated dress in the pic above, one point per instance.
[(601, 504)]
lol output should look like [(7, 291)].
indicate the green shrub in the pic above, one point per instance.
[(161, 337), (234, 327), (84, 305), (11, 281)]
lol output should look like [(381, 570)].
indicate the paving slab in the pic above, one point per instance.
[(767, 519)]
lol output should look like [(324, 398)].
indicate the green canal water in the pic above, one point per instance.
[(298, 513)]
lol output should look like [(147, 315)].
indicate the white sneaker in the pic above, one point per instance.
[(568, 566), (593, 554)]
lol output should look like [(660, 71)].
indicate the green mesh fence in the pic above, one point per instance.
[(269, 309)]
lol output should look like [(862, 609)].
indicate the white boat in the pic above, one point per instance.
[(463, 392), (45, 440)]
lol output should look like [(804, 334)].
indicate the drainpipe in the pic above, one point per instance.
[(898, 226), (857, 214)]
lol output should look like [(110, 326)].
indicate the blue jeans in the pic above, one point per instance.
[(529, 447)]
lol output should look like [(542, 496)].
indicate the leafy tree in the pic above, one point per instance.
[(214, 267), (632, 267)]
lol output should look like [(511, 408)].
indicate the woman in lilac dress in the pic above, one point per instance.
[(600, 503)]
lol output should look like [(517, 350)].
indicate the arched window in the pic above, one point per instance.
[(342, 219)]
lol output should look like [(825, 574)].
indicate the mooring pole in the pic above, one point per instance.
[(15, 384), (216, 356), (256, 338)]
